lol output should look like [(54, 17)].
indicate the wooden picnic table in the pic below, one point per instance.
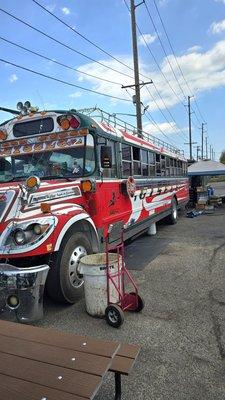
[(45, 364)]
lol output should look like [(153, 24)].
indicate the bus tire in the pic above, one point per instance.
[(173, 217), (64, 284)]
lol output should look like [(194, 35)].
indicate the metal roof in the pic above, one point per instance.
[(206, 168)]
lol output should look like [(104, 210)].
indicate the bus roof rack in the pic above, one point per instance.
[(112, 119)]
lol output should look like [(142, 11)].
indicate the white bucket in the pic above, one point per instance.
[(93, 268)]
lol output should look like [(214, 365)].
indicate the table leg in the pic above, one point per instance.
[(118, 386)]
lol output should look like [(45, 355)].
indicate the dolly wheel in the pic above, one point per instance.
[(114, 315), (141, 303)]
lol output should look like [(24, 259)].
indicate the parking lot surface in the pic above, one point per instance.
[(182, 327)]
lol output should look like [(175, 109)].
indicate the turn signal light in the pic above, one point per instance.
[(87, 186), (3, 135), (45, 208), (65, 124), (32, 182)]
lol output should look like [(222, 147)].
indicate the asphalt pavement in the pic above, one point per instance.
[(182, 327)]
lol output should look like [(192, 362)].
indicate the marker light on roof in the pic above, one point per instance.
[(3, 135), (64, 123), (74, 123)]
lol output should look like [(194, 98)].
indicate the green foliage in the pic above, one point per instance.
[(222, 157)]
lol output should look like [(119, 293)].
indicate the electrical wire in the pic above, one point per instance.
[(172, 49), (81, 35), (164, 50), (62, 81), (64, 44), (57, 62)]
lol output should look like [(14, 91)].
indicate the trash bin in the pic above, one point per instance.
[(93, 268), (21, 292)]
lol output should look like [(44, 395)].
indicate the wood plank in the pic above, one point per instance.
[(59, 378), (17, 389), (61, 339), (122, 365), (129, 350), (71, 359)]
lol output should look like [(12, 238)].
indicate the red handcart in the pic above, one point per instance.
[(131, 301)]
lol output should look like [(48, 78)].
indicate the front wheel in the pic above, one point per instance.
[(64, 283)]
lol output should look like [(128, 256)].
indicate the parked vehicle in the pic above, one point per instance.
[(66, 176)]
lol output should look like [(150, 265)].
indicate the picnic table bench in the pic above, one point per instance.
[(46, 364)]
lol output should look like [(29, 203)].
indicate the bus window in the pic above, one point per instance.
[(136, 161), (126, 160), (144, 162), (151, 157), (167, 166), (158, 165), (171, 167), (163, 165), (112, 171)]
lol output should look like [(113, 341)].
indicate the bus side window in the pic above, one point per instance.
[(126, 160), (136, 160), (171, 167), (167, 166), (151, 157), (158, 165), (108, 152), (144, 162), (163, 165)]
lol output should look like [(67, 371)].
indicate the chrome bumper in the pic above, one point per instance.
[(21, 292)]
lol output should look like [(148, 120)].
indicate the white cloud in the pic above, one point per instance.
[(51, 7), (220, 1), (13, 78), (217, 27), (167, 127), (146, 38), (194, 49), (75, 95), (203, 71), (65, 10), (163, 3)]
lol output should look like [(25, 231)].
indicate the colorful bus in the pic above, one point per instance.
[(65, 176)]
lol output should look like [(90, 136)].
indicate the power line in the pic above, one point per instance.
[(62, 81), (172, 49), (164, 50), (57, 62), (82, 36), (156, 62), (64, 44)]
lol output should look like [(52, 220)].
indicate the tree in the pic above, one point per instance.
[(222, 157)]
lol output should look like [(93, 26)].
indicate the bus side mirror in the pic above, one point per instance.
[(106, 157)]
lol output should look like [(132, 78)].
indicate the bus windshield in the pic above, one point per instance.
[(68, 162)]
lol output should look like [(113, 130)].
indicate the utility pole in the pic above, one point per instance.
[(210, 152), (206, 147), (203, 139), (136, 68), (198, 151), (189, 118)]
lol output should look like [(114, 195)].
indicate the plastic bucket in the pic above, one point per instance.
[(93, 268)]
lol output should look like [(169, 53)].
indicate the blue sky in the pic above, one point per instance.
[(196, 29)]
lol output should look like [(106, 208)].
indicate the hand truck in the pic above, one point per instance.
[(131, 301)]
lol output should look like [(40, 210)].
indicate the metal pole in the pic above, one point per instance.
[(202, 141), (136, 68), (206, 147), (189, 117), (210, 151), (198, 150)]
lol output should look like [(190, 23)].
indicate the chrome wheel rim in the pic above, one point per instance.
[(174, 212), (74, 276), (113, 317)]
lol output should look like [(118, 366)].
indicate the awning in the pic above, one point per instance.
[(206, 168)]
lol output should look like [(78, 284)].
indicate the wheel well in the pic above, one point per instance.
[(87, 228)]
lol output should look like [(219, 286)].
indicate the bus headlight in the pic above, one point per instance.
[(28, 233), (19, 236)]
